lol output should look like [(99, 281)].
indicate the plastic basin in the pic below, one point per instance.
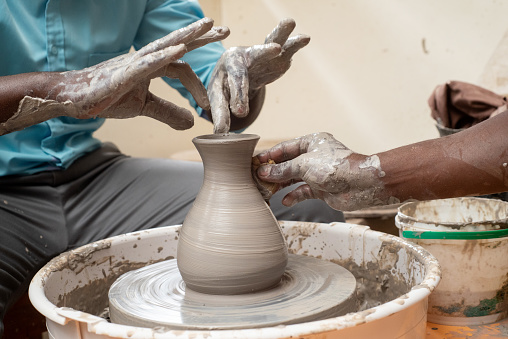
[(394, 280)]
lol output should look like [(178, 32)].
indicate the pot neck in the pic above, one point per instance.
[(227, 162)]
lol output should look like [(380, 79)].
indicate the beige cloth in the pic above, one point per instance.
[(459, 104)]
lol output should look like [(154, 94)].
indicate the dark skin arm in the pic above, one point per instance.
[(13, 88), (116, 88), (472, 162)]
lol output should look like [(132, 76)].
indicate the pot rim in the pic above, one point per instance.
[(224, 138)]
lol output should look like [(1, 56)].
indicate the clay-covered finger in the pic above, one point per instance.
[(294, 44), (153, 64), (263, 53), (282, 172), (219, 105), (267, 189), (281, 33), (217, 33), (181, 36), (285, 150), (221, 120), (126, 75), (164, 111), (299, 194), (181, 70), (238, 84)]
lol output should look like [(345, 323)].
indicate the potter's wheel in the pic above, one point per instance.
[(155, 295)]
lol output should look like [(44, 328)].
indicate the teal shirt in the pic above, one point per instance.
[(61, 35)]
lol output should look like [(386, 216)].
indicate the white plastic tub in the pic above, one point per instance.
[(394, 276), (468, 237)]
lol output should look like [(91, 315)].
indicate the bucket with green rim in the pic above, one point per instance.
[(469, 237)]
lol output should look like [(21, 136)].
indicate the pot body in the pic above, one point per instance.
[(230, 242)]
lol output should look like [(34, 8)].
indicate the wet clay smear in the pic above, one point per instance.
[(93, 297)]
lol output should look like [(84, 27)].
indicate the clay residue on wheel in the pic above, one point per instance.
[(297, 234), (93, 297), (378, 281), (75, 260)]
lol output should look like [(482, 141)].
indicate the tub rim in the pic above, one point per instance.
[(100, 326)]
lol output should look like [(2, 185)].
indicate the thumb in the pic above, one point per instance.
[(164, 111), (279, 173)]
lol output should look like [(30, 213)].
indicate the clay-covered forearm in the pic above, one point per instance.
[(13, 88), (116, 88), (472, 162)]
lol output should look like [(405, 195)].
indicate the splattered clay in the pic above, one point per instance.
[(377, 281)]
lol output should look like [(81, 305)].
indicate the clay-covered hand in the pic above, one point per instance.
[(119, 87), (236, 89), (332, 172)]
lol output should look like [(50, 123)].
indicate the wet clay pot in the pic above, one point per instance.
[(230, 242)]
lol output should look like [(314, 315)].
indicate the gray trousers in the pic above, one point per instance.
[(102, 194)]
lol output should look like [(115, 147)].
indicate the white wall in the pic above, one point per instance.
[(365, 76)]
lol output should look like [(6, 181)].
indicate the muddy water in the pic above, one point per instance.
[(376, 282), (375, 286)]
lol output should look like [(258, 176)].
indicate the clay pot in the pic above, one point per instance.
[(230, 242)]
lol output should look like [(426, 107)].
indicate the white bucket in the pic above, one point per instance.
[(469, 238), (394, 280)]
